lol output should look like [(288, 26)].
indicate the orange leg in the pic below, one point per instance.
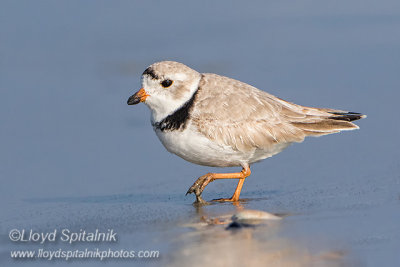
[(201, 183)]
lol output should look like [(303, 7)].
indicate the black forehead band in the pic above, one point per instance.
[(149, 71)]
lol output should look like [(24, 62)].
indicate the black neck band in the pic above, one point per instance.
[(179, 118)]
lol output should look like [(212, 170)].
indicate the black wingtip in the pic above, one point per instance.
[(347, 116)]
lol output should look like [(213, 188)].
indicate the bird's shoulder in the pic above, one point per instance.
[(227, 100)]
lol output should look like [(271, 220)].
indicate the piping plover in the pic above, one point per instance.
[(217, 121)]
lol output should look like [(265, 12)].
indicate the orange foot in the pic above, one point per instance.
[(198, 187)]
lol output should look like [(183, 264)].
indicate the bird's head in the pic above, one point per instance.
[(166, 86)]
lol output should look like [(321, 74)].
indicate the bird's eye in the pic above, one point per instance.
[(166, 83)]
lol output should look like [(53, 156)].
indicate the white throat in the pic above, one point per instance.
[(163, 105)]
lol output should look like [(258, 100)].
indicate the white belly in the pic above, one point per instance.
[(196, 148)]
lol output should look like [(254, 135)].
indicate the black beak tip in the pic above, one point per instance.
[(133, 100)]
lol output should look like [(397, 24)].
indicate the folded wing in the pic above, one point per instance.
[(235, 114)]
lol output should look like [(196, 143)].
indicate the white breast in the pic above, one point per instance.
[(194, 147)]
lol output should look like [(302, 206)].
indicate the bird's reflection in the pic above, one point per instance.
[(244, 237)]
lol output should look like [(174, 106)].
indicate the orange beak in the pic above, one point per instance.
[(138, 97)]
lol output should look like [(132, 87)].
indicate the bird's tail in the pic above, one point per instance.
[(329, 121)]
